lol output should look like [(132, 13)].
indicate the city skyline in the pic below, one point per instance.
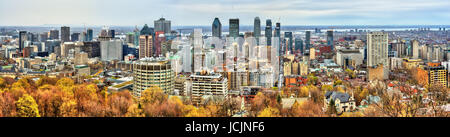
[(300, 12)]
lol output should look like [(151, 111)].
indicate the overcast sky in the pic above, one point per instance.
[(202, 12)]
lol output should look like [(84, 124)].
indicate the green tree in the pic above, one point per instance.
[(26, 107), (332, 107)]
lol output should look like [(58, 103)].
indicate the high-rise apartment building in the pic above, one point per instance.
[(437, 74), (146, 42), (152, 72), (377, 48), (204, 83)]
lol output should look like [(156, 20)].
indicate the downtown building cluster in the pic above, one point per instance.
[(202, 65)]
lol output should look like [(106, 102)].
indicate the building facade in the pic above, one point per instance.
[(152, 72)]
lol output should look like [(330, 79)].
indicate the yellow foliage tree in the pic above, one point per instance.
[(66, 85), (134, 111), (269, 112), (194, 112), (68, 108), (26, 107), (304, 91), (153, 95)]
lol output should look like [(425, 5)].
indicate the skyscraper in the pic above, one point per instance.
[(234, 27), (216, 28), (257, 27), (307, 39), (111, 50), (415, 49), (65, 34), (146, 42), (277, 29), (268, 32), (112, 33), (90, 35), (54, 34), (22, 38), (299, 44), (162, 25), (330, 39), (289, 41), (377, 48), (75, 37), (43, 37)]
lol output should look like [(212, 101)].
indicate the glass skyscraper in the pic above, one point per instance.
[(268, 32), (330, 39), (234, 27), (216, 28)]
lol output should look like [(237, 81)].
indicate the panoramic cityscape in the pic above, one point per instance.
[(235, 63)]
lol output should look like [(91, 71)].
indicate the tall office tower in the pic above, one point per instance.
[(82, 37), (415, 49), (22, 38), (277, 30), (234, 28), (89, 35), (44, 37), (299, 45), (54, 34), (152, 72), (112, 33), (137, 34), (268, 32), (377, 48), (187, 58), (288, 36), (216, 28), (34, 37), (162, 25), (159, 39), (197, 61), (129, 38), (65, 34), (92, 48), (75, 37), (257, 29), (330, 39), (146, 42), (307, 39), (111, 50)]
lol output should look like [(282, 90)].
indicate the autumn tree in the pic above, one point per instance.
[(119, 103), (307, 109), (7, 105), (269, 112), (26, 107), (439, 98)]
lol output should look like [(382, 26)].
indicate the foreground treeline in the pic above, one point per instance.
[(52, 97), (62, 97)]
